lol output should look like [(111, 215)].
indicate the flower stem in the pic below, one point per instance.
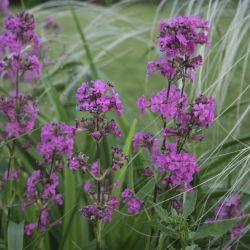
[(22, 4), (85, 43), (99, 226)]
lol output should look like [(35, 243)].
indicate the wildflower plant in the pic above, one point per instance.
[(19, 45), (97, 98), (172, 166)]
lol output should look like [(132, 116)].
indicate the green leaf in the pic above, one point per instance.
[(214, 229), (189, 203), (61, 114), (15, 236), (121, 173), (193, 247), (70, 202), (146, 189)]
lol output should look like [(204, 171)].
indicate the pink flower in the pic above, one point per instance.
[(142, 104)]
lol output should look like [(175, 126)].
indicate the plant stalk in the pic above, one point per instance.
[(99, 201), (85, 43)]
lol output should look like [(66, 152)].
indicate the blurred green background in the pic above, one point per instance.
[(31, 3)]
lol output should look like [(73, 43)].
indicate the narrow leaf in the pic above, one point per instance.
[(15, 236), (214, 229), (189, 203), (121, 173)]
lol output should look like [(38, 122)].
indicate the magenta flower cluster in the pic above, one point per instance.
[(57, 141), (19, 46), (96, 212), (181, 166), (98, 98), (56, 138), (178, 39), (134, 204), (175, 166), (20, 113), (167, 102), (228, 209), (41, 190)]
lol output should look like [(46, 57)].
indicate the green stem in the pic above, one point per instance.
[(98, 235), (85, 43), (22, 4), (99, 200)]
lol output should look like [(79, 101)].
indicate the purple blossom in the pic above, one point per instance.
[(41, 190), (203, 111), (98, 127), (227, 209), (20, 29), (56, 138), (43, 220), (142, 104), (94, 168), (178, 39), (21, 120), (145, 140), (19, 47), (10, 175), (168, 103), (134, 204), (118, 158), (29, 228), (162, 66), (98, 97), (97, 212), (181, 166), (87, 186), (96, 135), (237, 230), (78, 161), (182, 34)]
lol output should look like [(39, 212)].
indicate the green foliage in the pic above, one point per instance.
[(15, 236)]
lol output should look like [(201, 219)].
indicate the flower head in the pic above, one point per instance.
[(181, 166), (98, 97), (56, 138)]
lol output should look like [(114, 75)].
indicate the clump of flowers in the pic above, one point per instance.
[(20, 115), (98, 98), (171, 163), (41, 191), (19, 45), (178, 39), (56, 142), (56, 138), (134, 204), (229, 209)]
